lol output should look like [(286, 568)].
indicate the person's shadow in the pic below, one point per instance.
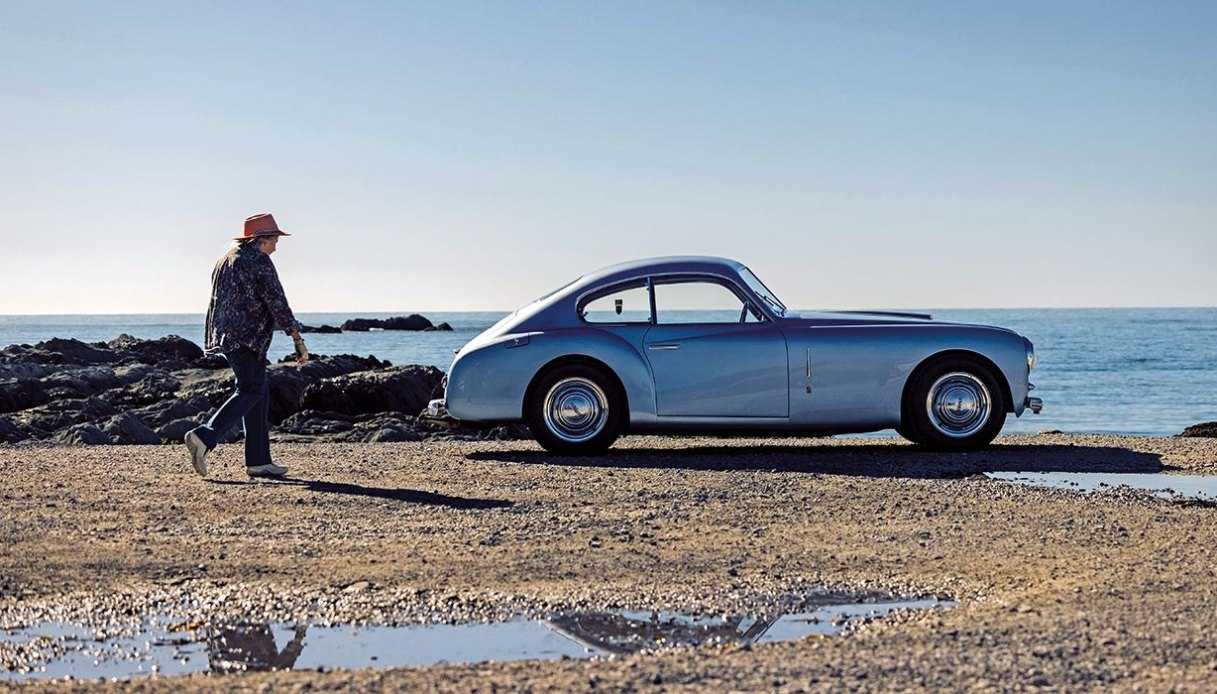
[(862, 460), (412, 496)]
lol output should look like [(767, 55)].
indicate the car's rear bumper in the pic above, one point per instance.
[(436, 412)]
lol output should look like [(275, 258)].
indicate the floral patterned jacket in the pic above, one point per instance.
[(247, 303)]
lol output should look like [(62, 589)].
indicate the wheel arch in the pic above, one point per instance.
[(584, 360), (946, 355)]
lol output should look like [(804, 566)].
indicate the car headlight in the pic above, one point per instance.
[(1030, 354)]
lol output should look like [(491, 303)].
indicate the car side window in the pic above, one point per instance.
[(627, 304), (701, 301)]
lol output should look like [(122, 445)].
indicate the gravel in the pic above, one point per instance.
[(1056, 589)]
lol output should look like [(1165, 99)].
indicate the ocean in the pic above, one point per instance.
[(1150, 371)]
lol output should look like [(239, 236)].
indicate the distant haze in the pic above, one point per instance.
[(474, 155)]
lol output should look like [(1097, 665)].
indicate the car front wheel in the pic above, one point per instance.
[(954, 404), (575, 409)]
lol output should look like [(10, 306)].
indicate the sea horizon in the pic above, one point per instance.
[(424, 312)]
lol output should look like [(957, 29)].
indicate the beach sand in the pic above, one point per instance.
[(1056, 590)]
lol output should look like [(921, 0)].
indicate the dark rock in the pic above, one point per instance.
[(403, 389), (61, 351), (15, 364), (214, 386), (212, 361), (315, 423), (444, 327), (175, 431), (159, 414), (387, 427), (509, 432), (410, 322), (323, 329), (87, 434), (170, 352), (128, 429), (1206, 430), (21, 393), (40, 421), (289, 381), (10, 432), (391, 432), (152, 388)]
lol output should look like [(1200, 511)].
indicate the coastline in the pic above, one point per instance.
[(1056, 589)]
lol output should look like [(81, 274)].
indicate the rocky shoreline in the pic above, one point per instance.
[(130, 391)]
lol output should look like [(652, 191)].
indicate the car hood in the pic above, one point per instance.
[(861, 318)]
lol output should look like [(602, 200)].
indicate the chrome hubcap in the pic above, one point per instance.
[(959, 404), (576, 410)]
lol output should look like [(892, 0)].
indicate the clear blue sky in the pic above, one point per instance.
[(473, 155)]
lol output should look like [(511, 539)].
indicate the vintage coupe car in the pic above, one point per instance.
[(700, 344)]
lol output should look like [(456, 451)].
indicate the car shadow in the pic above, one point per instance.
[(858, 461), (412, 496)]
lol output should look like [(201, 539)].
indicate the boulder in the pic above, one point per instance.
[(175, 430), (289, 381), (323, 329), (41, 421), (83, 434), (128, 429), (404, 389), (159, 414), (170, 352), (315, 423), (21, 393), (10, 432), (68, 351), (1206, 430), (410, 322), (154, 387)]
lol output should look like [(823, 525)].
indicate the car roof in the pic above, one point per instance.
[(667, 264)]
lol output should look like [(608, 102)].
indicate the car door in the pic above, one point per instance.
[(713, 354)]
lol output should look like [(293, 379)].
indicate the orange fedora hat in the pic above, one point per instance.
[(261, 225)]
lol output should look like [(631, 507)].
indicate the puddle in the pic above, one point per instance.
[(1165, 486), (166, 646)]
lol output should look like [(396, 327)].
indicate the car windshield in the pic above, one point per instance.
[(758, 287)]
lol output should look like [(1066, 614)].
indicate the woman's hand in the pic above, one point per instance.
[(301, 350)]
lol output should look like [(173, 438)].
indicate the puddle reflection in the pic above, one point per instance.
[(1166, 486), (159, 645)]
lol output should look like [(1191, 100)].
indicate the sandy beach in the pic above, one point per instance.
[(1056, 590)]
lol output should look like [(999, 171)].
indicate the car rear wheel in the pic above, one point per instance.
[(575, 409), (953, 404)]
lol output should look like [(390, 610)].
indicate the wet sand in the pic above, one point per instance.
[(1057, 590)]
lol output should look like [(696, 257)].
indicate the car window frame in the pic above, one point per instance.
[(585, 299), (727, 283)]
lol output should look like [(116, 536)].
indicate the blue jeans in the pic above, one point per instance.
[(250, 404)]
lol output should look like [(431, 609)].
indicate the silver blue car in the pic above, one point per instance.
[(701, 345)]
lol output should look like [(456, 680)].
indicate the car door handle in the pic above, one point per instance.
[(663, 346)]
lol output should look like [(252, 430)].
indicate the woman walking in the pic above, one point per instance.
[(247, 306)]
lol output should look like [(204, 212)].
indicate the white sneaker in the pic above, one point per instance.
[(268, 470), (198, 452)]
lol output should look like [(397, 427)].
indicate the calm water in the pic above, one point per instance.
[(1135, 371)]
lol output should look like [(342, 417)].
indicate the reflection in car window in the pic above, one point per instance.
[(626, 304), (756, 285), (699, 301)]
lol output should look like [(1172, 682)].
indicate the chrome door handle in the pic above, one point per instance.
[(663, 346)]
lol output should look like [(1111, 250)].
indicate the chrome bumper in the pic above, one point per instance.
[(1036, 405), (436, 412)]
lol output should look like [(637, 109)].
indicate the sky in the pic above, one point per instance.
[(458, 155)]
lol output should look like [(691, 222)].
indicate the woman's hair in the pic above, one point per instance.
[(253, 240)]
